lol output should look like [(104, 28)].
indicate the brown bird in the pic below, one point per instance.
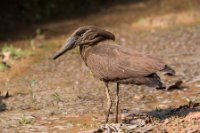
[(114, 63)]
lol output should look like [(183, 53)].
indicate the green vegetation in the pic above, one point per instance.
[(197, 100), (57, 96), (24, 120), (10, 53), (3, 66), (31, 84), (15, 53)]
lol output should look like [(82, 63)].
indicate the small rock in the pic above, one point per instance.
[(138, 97), (131, 127), (197, 85), (44, 118), (69, 125), (139, 122), (64, 113), (39, 128), (145, 129), (166, 121), (54, 118), (30, 117), (59, 127)]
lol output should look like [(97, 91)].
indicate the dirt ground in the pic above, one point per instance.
[(62, 96)]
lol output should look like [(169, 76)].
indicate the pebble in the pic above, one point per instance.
[(69, 125), (166, 121), (38, 128), (139, 122), (131, 127), (53, 119), (59, 127), (197, 85)]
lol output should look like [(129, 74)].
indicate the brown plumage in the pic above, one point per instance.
[(115, 63)]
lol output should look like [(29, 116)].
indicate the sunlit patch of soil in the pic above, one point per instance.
[(79, 122), (189, 123), (41, 49), (167, 20)]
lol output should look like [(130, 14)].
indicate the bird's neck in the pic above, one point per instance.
[(84, 51)]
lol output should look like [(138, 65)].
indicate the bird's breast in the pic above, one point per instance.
[(85, 52)]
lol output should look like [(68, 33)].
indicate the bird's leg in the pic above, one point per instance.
[(117, 103), (109, 101)]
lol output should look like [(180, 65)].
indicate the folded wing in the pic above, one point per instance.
[(114, 62)]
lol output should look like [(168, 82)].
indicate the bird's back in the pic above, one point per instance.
[(111, 62)]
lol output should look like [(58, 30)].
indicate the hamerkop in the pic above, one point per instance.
[(114, 63)]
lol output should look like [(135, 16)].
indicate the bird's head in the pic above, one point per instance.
[(87, 35)]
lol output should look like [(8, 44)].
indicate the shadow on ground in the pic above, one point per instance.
[(162, 114), (2, 104), (180, 111)]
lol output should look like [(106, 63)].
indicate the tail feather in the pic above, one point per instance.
[(152, 80), (155, 81), (168, 71)]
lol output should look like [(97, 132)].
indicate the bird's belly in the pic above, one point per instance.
[(101, 73)]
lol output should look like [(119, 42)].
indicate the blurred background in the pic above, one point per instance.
[(38, 94), (21, 15)]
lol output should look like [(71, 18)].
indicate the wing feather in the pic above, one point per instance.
[(110, 62)]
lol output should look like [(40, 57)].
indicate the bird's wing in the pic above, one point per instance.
[(135, 64), (116, 62)]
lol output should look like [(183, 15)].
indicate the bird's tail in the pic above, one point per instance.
[(155, 81), (168, 71), (152, 80)]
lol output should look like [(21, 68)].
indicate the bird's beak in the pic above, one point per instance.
[(66, 47)]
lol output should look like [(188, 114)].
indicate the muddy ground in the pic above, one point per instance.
[(63, 96)]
